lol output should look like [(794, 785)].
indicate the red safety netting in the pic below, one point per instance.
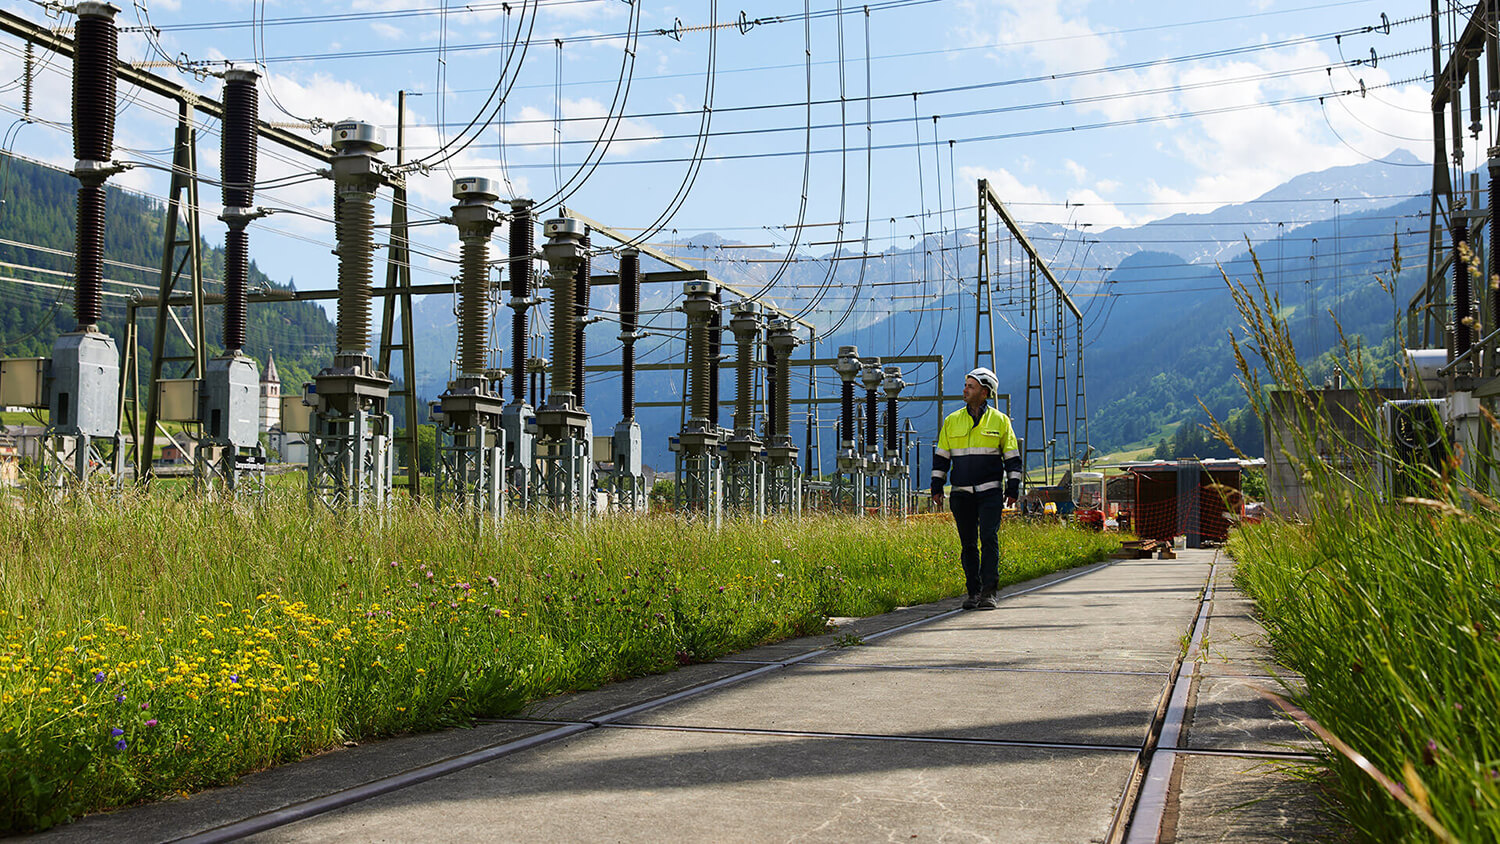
[(1163, 509)]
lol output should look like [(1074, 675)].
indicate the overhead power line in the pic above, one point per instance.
[(1005, 136)]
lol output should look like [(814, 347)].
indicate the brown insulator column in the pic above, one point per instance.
[(1494, 279), (356, 177), (772, 390), (630, 306), (473, 301), (871, 375), (846, 410), (847, 366), (356, 229), (1462, 294), (698, 362), (87, 306), (237, 163), (563, 340), (476, 220), (890, 423), (522, 243), (781, 414), (699, 306), (715, 354), (93, 142), (893, 384), (745, 322), (581, 288)]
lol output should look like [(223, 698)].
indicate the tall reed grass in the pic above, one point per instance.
[(1384, 595), (154, 645)]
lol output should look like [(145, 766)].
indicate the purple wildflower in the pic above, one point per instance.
[(234, 678), (98, 676), (145, 706), (121, 744), (117, 732), (151, 723), (120, 698)]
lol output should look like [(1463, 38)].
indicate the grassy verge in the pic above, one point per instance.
[(158, 644), (1393, 618), (1386, 599)]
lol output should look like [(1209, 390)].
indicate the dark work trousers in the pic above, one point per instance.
[(977, 515)]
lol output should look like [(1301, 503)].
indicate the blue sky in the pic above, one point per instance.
[(1060, 103)]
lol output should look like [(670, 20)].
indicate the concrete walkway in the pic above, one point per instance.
[(1021, 724)]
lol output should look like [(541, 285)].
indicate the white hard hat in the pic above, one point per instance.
[(986, 378)]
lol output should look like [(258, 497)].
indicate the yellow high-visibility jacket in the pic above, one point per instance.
[(977, 457)]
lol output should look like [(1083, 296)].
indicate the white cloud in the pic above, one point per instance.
[(1241, 150), (1035, 203), (1054, 34)]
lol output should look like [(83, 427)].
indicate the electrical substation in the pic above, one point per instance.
[(1453, 370), (494, 456)]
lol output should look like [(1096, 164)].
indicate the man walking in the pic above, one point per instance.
[(978, 455)]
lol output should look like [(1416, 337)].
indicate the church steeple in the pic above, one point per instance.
[(270, 376), (270, 395)]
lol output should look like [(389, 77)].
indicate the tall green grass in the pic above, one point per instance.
[(153, 645), (1388, 604)]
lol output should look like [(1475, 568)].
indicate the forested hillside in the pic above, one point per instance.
[(36, 266)]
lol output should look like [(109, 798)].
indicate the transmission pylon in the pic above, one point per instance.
[(1062, 436), (984, 324), (1036, 423)]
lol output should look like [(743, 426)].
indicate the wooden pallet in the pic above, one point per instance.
[(1143, 549)]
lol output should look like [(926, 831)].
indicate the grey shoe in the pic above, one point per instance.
[(972, 601), (989, 600)]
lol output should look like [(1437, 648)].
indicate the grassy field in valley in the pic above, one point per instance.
[(159, 644)]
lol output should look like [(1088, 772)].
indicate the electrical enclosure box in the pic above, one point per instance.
[(231, 400), (603, 445), (626, 449), (295, 415), (177, 399), (1415, 444), (85, 388), (23, 382), (520, 435)]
